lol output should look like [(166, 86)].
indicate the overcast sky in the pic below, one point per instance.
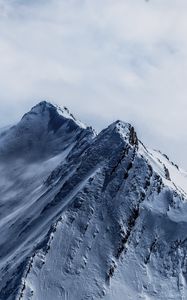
[(104, 59)]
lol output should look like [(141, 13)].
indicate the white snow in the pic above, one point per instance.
[(158, 161), (66, 114), (93, 218)]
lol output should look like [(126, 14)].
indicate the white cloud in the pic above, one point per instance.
[(105, 60)]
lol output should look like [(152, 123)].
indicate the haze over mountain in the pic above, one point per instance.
[(106, 66), (86, 215)]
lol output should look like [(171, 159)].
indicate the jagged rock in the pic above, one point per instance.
[(86, 216)]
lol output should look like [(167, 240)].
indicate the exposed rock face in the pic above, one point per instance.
[(89, 217)]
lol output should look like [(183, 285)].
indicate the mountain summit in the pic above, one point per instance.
[(86, 216), (42, 132)]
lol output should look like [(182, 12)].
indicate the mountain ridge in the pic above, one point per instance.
[(96, 217)]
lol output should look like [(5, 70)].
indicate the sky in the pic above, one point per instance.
[(103, 59)]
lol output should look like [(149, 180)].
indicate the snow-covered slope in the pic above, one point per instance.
[(86, 216)]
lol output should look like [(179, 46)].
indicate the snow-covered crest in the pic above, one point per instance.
[(64, 111), (96, 217)]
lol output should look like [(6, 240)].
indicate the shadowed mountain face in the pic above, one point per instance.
[(86, 216), (45, 131)]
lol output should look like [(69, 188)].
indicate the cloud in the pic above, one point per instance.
[(105, 60)]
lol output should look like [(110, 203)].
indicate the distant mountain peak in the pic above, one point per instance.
[(43, 104), (53, 109), (42, 130)]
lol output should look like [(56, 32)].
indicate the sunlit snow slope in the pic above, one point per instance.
[(86, 216)]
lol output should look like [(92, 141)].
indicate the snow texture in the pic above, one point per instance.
[(86, 216)]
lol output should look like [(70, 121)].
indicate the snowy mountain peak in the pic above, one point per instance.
[(43, 131), (41, 106), (46, 109), (88, 217), (40, 109), (125, 130)]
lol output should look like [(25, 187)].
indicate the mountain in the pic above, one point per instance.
[(88, 216)]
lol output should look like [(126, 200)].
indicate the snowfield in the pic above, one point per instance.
[(86, 216)]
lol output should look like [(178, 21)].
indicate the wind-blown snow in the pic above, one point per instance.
[(86, 216)]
